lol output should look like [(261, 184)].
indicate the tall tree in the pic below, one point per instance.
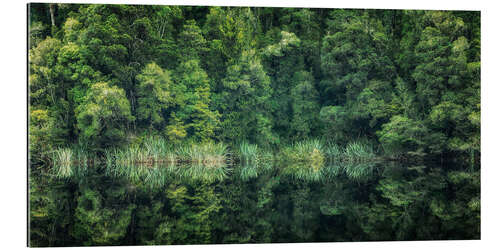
[(104, 116), (50, 90), (305, 106), (192, 97), (358, 71), (447, 81), (245, 101), (154, 95), (283, 60)]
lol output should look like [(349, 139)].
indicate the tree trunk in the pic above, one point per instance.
[(52, 9)]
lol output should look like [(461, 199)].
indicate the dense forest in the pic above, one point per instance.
[(297, 124)]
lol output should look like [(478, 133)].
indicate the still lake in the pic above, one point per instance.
[(162, 204)]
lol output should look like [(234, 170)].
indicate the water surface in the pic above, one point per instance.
[(163, 204)]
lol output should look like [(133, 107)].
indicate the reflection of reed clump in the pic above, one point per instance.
[(151, 151), (62, 161), (303, 160), (155, 159), (208, 154), (252, 161), (312, 160), (352, 152), (203, 162), (69, 162)]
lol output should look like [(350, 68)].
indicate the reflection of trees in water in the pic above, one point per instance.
[(368, 201)]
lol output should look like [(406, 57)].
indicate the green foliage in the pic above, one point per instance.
[(63, 162), (191, 42), (304, 106), (49, 92), (402, 133), (153, 94), (334, 120), (445, 82), (50, 211), (97, 224), (155, 162), (359, 75), (104, 115), (283, 60), (245, 101), (253, 161), (229, 32), (195, 124), (206, 162), (191, 212), (43, 58), (267, 76), (192, 96), (176, 130), (39, 132), (304, 160)]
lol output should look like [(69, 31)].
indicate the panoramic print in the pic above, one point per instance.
[(162, 125)]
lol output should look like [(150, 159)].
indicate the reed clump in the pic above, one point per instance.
[(334, 168), (70, 162), (152, 151), (153, 176), (352, 152), (357, 151), (355, 160), (62, 160), (248, 153), (313, 160), (154, 160), (359, 171), (207, 154), (82, 160), (252, 161), (203, 173), (333, 151), (148, 163), (205, 162), (303, 160)]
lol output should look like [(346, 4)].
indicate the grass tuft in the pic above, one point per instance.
[(252, 161), (357, 151), (154, 161), (62, 160), (303, 160)]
